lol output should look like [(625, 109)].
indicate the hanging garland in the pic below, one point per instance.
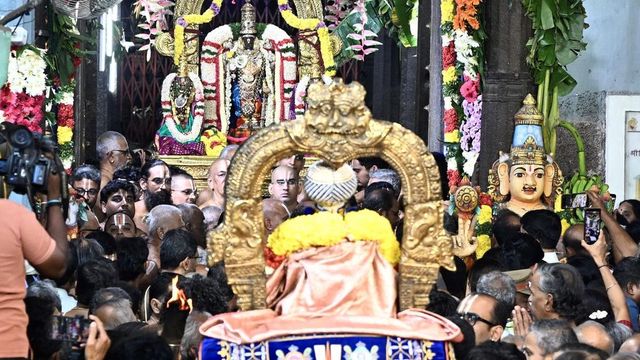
[(167, 113), (193, 19), (64, 100), (462, 59), (311, 24)]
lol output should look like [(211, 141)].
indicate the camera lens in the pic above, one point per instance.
[(22, 138)]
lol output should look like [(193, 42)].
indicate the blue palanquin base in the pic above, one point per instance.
[(328, 347)]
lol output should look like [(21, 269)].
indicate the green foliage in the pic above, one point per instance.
[(557, 40), (65, 45)]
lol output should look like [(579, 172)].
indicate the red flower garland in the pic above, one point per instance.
[(450, 120), (454, 178), (470, 89), (449, 55), (65, 115)]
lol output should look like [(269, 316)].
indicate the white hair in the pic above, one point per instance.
[(158, 215), (107, 142)]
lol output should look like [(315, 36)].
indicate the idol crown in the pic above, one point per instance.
[(337, 108)]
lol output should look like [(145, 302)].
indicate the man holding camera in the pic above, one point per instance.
[(24, 238)]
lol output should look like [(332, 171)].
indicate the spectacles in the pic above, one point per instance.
[(472, 318), (82, 192), (187, 192), (160, 181)]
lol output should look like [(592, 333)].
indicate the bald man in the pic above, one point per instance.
[(113, 153), (227, 154), (275, 213), (216, 180), (595, 334), (284, 186)]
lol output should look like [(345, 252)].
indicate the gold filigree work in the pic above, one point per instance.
[(338, 127)]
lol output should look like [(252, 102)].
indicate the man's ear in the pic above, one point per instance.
[(103, 206), (143, 184), (495, 333), (184, 264), (160, 232), (270, 189), (156, 306), (268, 224)]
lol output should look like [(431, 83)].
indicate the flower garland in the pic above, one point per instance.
[(155, 14), (462, 39), (484, 213), (65, 121), (311, 24), (214, 142), (194, 19), (301, 233), (22, 98), (198, 105), (336, 11)]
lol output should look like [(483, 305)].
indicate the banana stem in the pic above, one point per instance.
[(582, 162), (545, 95), (539, 98), (552, 121)]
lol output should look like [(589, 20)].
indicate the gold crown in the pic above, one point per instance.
[(528, 154), (337, 108), (528, 113), (248, 19)]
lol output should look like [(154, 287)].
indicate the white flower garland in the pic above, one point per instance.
[(26, 72), (167, 113), (301, 95)]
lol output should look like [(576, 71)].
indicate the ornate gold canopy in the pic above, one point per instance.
[(337, 127)]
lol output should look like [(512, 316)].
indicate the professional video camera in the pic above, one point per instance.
[(25, 167)]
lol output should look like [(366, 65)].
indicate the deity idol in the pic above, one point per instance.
[(527, 178), (248, 79), (182, 114)]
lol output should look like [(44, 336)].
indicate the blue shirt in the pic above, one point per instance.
[(634, 311)]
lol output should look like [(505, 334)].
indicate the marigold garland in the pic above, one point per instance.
[(194, 19), (302, 233), (311, 24)]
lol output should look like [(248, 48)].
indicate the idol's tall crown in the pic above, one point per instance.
[(527, 147)]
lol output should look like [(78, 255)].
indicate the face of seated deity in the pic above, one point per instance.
[(526, 183), (182, 95)]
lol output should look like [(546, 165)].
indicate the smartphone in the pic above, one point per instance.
[(70, 329), (591, 225), (575, 201)]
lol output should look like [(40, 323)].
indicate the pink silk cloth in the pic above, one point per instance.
[(346, 288)]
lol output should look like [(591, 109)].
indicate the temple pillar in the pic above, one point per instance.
[(507, 79)]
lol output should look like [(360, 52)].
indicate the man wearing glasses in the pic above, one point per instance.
[(284, 186), (113, 152), (84, 193), (183, 188), (486, 314)]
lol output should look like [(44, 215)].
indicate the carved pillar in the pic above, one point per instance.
[(507, 78)]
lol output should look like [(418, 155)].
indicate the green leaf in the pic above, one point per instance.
[(547, 38), (564, 52), (546, 14)]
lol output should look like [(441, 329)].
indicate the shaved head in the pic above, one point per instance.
[(107, 142)]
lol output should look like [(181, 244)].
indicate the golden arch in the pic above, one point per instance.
[(337, 127)]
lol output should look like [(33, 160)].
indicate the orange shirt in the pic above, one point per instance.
[(21, 238)]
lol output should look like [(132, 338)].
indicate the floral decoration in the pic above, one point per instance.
[(364, 37), (198, 109), (301, 233), (214, 141), (154, 14), (194, 19), (462, 57), (22, 98), (326, 50), (483, 225), (64, 119)]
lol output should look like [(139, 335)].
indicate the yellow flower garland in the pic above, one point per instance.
[(194, 19), (484, 244), (449, 75), (302, 233), (485, 215), (452, 137), (311, 24), (446, 10), (65, 134)]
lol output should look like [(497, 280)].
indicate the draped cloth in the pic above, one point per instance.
[(347, 288)]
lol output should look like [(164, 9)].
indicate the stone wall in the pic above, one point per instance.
[(586, 111)]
